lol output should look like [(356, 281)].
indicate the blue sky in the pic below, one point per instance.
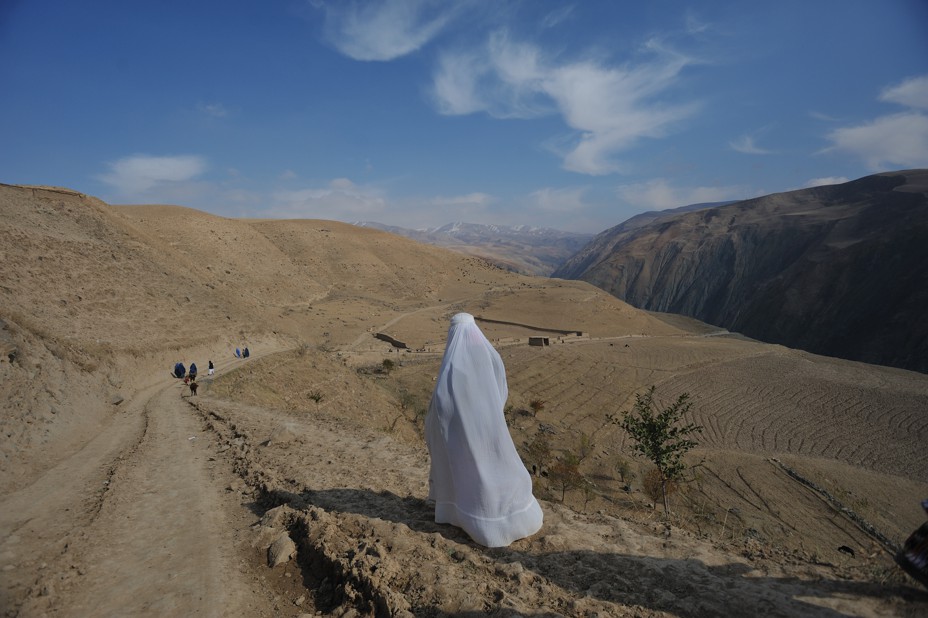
[(572, 115)]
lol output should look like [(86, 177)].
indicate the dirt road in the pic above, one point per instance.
[(137, 522)]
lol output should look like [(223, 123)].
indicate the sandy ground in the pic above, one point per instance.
[(120, 494)]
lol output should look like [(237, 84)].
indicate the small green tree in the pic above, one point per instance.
[(658, 437)]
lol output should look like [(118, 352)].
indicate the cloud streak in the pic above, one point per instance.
[(659, 194), (912, 92), (341, 200), (745, 145), (609, 108), (382, 31), (889, 141), (559, 201), (138, 174), (471, 199), (894, 140), (213, 110)]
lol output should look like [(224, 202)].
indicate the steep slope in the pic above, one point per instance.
[(836, 270), (605, 242)]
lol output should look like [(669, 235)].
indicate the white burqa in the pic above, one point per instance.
[(477, 480)]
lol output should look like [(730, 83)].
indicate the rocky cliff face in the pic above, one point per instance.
[(839, 270)]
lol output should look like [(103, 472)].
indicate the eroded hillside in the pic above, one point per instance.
[(835, 270), (98, 302)]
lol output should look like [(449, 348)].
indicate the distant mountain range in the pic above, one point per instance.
[(839, 270), (523, 248)]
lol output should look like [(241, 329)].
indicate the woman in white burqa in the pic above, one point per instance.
[(477, 480)]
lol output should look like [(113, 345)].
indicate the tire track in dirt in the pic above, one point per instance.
[(164, 551), (86, 527), (40, 522)]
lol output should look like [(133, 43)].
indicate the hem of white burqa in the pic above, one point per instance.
[(493, 532)]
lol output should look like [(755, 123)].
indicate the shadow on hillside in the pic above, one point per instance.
[(689, 587), (684, 587), (415, 513)]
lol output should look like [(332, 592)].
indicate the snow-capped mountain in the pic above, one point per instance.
[(521, 248)]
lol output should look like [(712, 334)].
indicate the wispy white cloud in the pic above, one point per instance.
[(214, 110), (455, 84), (387, 29), (138, 174), (912, 92), (577, 208), (694, 25), (557, 16), (562, 200), (471, 199), (503, 79), (889, 141), (613, 108), (745, 145), (894, 140), (824, 117), (609, 107), (828, 180), (341, 200), (659, 194)]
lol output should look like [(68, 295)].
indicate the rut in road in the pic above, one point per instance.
[(40, 522), (160, 544)]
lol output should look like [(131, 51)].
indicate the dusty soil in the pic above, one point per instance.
[(122, 494)]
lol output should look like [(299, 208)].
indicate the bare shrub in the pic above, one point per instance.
[(537, 453), (565, 474), (585, 446), (537, 405), (624, 468), (655, 487)]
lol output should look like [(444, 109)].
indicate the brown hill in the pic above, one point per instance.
[(835, 270), (122, 494)]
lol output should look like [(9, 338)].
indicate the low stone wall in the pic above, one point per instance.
[(394, 342)]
